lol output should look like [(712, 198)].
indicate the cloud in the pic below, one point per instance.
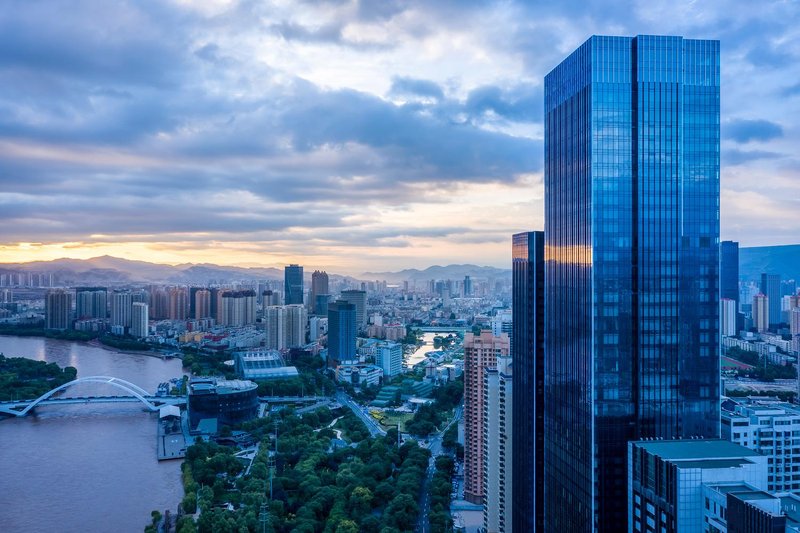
[(520, 103), (404, 86), (738, 157), (743, 130)]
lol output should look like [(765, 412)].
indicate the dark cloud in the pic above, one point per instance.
[(743, 130), (520, 104), (404, 86)]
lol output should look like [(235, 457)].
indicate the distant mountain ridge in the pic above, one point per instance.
[(783, 260), (440, 272), (115, 270)]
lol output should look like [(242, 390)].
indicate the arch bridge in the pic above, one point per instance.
[(134, 393)]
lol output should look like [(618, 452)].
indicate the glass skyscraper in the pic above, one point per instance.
[(293, 285), (527, 359), (632, 264), (771, 288)]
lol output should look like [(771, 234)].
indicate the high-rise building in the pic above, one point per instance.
[(771, 288), (178, 303), (761, 312), (342, 331), (498, 435), (467, 286), (91, 302), (729, 271), (390, 358), (632, 253), (359, 299), (679, 485), (296, 322), (58, 309), (728, 315), (121, 307), (237, 308), (794, 321), (770, 428), (480, 353), (139, 319), (201, 303), (275, 327), (293, 284), (319, 286), (788, 287), (527, 355)]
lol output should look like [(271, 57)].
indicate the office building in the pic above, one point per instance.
[(213, 403), (632, 253), (467, 286), (761, 313), (178, 303), (480, 353), (728, 314), (389, 357), (263, 364), (58, 309), (527, 355), (359, 299), (498, 435), (771, 288), (237, 308), (293, 284), (772, 429), (319, 287), (342, 331), (788, 287), (729, 270), (140, 319), (91, 302), (794, 322), (121, 308), (672, 483)]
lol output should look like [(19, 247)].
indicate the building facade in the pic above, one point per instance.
[(480, 353), (761, 312), (632, 255), (319, 286), (527, 354), (358, 299), (58, 309), (728, 315), (341, 332), (498, 436), (389, 357), (293, 284), (140, 319), (771, 288), (91, 302), (121, 308)]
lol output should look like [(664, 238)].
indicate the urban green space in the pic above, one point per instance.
[(22, 378)]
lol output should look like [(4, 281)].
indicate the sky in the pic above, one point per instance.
[(348, 135)]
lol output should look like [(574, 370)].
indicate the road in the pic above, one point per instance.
[(373, 427), (435, 446)]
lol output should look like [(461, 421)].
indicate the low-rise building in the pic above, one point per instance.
[(263, 364)]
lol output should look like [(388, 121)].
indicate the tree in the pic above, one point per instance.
[(347, 526)]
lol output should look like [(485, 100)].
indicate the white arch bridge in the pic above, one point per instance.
[(133, 393)]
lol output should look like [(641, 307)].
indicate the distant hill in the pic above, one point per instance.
[(783, 260), (439, 272), (108, 270)]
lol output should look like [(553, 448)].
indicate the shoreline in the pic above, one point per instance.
[(95, 343)]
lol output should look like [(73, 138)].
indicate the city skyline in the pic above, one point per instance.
[(335, 135)]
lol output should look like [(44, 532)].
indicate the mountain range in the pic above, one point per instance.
[(114, 270), (783, 260)]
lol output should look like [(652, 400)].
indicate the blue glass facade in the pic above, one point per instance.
[(527, 352), (293, 285), (771, 288), (342, 332), (632, 264), (729, 271)]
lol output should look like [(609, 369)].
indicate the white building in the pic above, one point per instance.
[(140, 319), (296, 320), (121, 308), (497, 453), (772, 429), (389, 358), (727, 314)]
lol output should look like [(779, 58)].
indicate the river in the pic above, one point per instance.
[(419, 354), (91, 467)]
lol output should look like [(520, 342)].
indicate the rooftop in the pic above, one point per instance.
[(677, 450)]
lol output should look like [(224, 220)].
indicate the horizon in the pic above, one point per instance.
[(358, 136)]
